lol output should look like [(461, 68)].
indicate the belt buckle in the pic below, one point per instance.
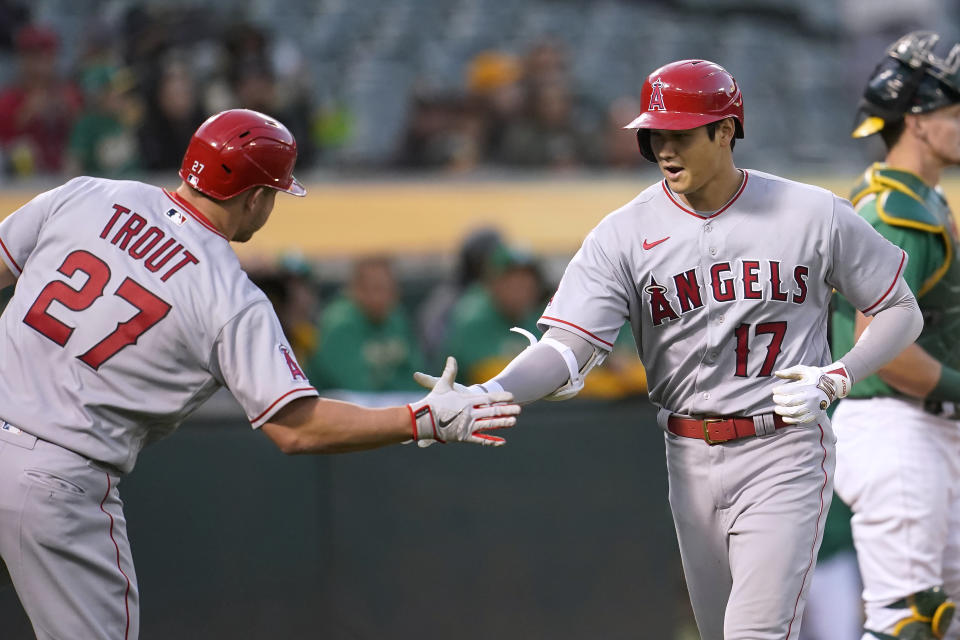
[(706, 430)]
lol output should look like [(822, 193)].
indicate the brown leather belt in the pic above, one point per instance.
[(717, 430)]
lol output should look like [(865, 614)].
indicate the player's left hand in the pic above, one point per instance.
[(454, 412), (810, 391)]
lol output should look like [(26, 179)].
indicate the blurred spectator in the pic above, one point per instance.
[(443, 132), (256, 88), (557, 128), (149, 32), (433, 319), (292, 290), (97, 44), (248, 78), (511, 295), (332, 126), (620, 148), (38, 111), (244, 43), (173, 113), (494, 85), (548, 135), (546, 62), (103, 141), (366, 342)]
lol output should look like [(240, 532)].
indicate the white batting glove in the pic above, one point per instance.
[(452, 412), (810, 391), (428, 381)]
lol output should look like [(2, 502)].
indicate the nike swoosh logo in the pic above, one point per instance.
[(651, 245), (443, 423)]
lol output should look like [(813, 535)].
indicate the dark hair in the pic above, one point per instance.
[(712, 132), (892, 131)]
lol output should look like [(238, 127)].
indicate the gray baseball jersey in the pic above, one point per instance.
[(130, 310), (717, 302)]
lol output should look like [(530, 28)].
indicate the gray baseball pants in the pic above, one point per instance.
[(63, 537), (749, 516)]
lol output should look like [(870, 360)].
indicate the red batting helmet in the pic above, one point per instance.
[(238, 149), (684, 95)]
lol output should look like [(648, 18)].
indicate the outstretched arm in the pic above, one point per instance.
[(320, 425), (552, 368)]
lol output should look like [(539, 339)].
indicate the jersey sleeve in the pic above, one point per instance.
[(591, 300), (252, 358), (20, 230), (864, 266)]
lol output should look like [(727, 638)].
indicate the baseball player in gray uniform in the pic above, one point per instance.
[(725, 277), (130, 310)]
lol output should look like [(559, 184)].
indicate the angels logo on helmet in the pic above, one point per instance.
[(656, 96)]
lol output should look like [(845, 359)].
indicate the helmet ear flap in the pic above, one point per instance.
[(643, 141)]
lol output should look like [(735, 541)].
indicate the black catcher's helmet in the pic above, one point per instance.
[(915, 76)]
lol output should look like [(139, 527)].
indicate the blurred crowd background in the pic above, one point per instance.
[(114, 87), (423, 92), (429, 89), (424, 88)]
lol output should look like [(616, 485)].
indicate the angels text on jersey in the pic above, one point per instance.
[(744, 279)]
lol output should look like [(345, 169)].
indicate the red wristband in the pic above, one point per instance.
[(413, 422)]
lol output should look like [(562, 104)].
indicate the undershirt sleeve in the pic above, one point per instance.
[(892, 330), (540, 370)]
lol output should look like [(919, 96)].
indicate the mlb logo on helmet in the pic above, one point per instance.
[(177, 217)]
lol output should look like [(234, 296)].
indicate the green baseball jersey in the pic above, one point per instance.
[(358, 354), (915, 217), (479, 336)]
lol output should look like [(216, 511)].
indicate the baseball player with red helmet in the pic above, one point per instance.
[(898, 448), (130, 310), (725, 276)]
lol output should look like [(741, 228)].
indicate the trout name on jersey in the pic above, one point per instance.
[(683, 292), (140, 242)]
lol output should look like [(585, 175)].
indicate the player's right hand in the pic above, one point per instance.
[(452, 412)]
